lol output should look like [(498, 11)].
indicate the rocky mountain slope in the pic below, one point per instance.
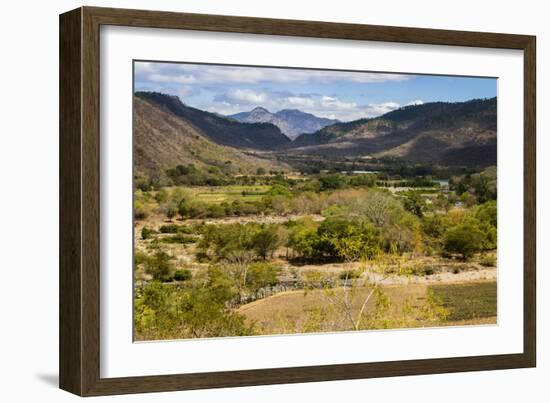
[(224, 131), (461, 133), (163, 140)]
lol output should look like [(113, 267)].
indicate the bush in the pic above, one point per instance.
[(349, 274), (415, 204), (179, 238), (428, 271), (175, 229), (333, 181), (465, 239), (488, 261), (170, 213), (260, 275), (140, 211), (159, 266), (183, 275), (147, 233)]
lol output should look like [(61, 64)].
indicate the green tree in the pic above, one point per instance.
[(266, 241), (465, 239), (333, 181), (260, 275), (160, 266), (415, 203)]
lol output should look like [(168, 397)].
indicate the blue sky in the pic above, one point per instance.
[(333, 94)]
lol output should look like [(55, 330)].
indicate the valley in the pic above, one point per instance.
[(379, 223)]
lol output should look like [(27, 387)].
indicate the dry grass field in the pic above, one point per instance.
[(409, 306)]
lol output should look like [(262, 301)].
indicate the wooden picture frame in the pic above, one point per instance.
[(79, 346)]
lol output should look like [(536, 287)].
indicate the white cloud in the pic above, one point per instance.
[(415, 102), (246, 96), (321, 105), (179, 79), (206, 74)]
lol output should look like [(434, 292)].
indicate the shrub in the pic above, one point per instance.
[(140, 211), (465, 239), (175, 229), (415, 203), (147, 233), (182, 275), (333, 181), (215, 211), (159, 266), (260, 275), (179, 238), (349, 274), (428, 271), (170, 213), (488, 261)]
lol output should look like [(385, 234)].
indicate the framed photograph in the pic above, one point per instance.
[(248, 201)]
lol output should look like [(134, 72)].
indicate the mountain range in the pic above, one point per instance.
[(292, 122), (167, 132), (452, 134)]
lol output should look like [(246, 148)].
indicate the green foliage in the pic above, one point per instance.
[(175, 229), (219, 242), (189, 311), (415, 203), (260, 275), (147, 233), (279, 190), (159, 266), (349, 274), (488, 261), (266, 240), (303, 239), (170, 212), (467, 301), (179, 238), (481, 186), (332, 181), (140, 210), (362, 180), (465, 239), (336, 239), (183, 275)]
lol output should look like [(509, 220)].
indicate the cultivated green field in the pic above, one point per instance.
[(230, 193)]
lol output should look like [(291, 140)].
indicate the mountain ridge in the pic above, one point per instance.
[(427, 133), (221, 130), (163, 140)]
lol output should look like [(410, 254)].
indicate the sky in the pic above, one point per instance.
[(338, 95)]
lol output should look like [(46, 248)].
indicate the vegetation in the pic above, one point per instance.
[(241, 240), (468, 301)]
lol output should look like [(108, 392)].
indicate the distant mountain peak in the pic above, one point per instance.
[(259, 109), (292, 122)]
